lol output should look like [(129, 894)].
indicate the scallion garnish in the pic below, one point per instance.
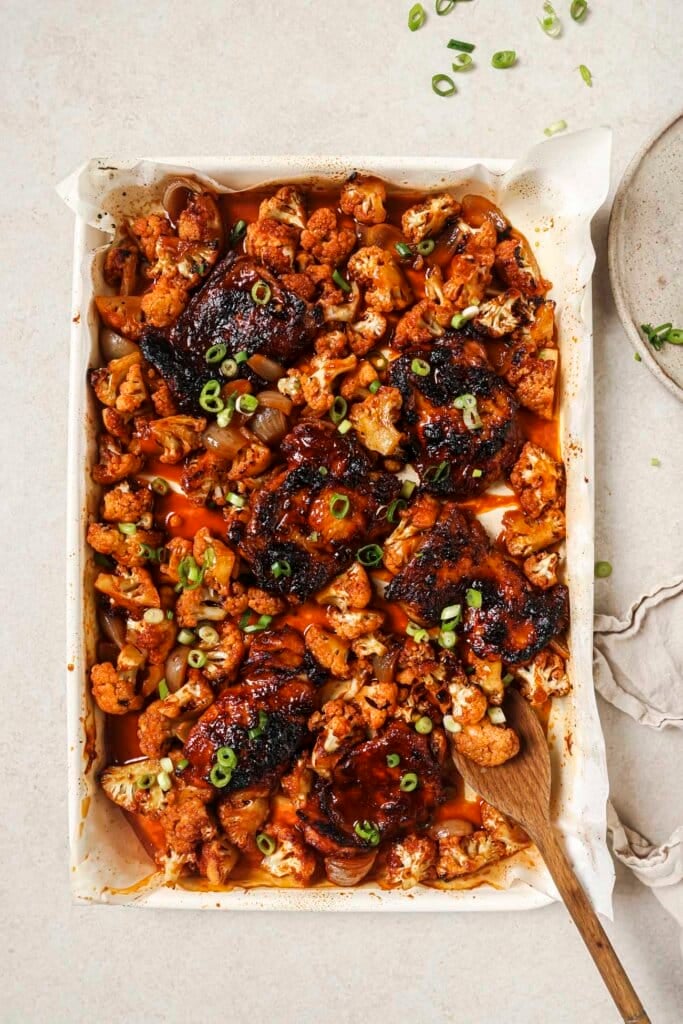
[(451, 616), (340, 506), (374, 387), (450, 724), (368, 832), (476, 473), (370, 556), (338, 409), (262, 623), (394, 509), (128, 529), (210, 397), (159, 486), (186, 637), (154, 616), (241, 357), (496, 716), (408, 783), (237, 231), (404, 250), (407, 488), (208, 635), (462, 62), (182, 764), (579, 9), (145, 781), (443, 85), (261, 293), (447, 639), (416, 17), (215, 353), (586, 75), (190, 573), (281, 568), (470, 413), (457, 44), (417, 633), (237, 500), (424, 725), (393, 760), (657, 336), (603, 570), (550, 23), (219, 776), (426, 246), (266, 844), (434, 474), (228, 368), (555, 127), (344, 426), (473, 598), (445, 6), (259, 729), (196, 659), (246, 404), (226, 757), (163, 689), (504, 59), (655, 462), (420, 367), (341, 282)]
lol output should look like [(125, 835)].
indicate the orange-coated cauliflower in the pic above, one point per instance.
[(273, 244), (376, 271), (502, 314), (130, 588), (159, 722), (224, 658), (291, 857), (524, 536), (423, 322), (402, 544), (352, 589), (350, 625), (316, 385), (217, 859), (177, 435), (541, 569), (487, 744), (123, 505), (544, 677), (340, 725), (461, 855), (325, 240), (538, 480), (366, 332), (374, 420), (114, 465), (115, 689), (328, 650), (125, 548), (410, 860), (242, 814), (428, 218), (516, 264), (286, 206), (363, 199), (120, 384)]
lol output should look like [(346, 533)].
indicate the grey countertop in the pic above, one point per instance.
[(99, 79)]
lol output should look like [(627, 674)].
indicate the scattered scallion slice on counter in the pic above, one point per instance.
[(409, 782), (370, 556), (655, 462), (261, 293), (555, 127), (424, 725), (457, 44), (444, 6), (504, 59), (550, 23), (586, 75), (340, 505), (443, 85), (578, 9), (341, 282), (603, 570), (416, 17), (658, 336), (637, 356), (338, 409), (462, 62)]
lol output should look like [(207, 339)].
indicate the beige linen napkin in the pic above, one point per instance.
[(650, 691)]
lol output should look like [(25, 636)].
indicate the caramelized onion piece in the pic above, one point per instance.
[(345, 868), (266, 368), (451, 827), (269, 425), (107, 652), (113, 626), (176, 667), (477, 209), (224, 441), (384, 665), (113, 345), (176, 195), (384, 235), (274, 400)]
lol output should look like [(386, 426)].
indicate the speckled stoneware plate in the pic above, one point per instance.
[(646, 250)]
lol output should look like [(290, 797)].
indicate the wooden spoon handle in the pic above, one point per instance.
[(592, 932)]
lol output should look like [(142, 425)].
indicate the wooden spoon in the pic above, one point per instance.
[(520, 789)]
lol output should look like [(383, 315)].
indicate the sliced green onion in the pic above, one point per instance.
[(163, 689), (655, 462), (420, 367), (189, 573), (169, 613), (237, 231), (368, 832), (452, 612), (341, 282), (378, 360), (215, 353), (323, 470), (418, 633), (182, 764), (476, 473), (416, 17), (128, 529), (338, 409), (261, 623), (244, 620), (554, 128), (578, 9), (241, 357), (462, 62), (374, 387), (586, 75), (344, 426), (461, 318), (261, 293), (457, 44), (424, 725), (426, 246), (393, 760), (186, 637), (226, 757), (159, 485), (228, 368), (370, 556), (450, 724), (473, 598), (259, 729), (447, 639), (154, 616), (433, 474), (550, 23), (224, 417), (445, 6), (210, 396), (145, 781), (340, 505), (238, 500), (281, 568), (603, 570), (266, 844), (408, 782), (504, 59), (151, 554), (208, 635), (314, 537), (466, 401), (496, 716), (443, 85), (508, 678), (246, 404), (164, 780), (196, 659), (394, 508), (407, 488), (675, 336), (219, 776), (404, 250)]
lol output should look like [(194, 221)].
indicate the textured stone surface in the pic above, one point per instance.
[(89, 79)]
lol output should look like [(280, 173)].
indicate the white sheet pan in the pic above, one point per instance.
[(551, 196)]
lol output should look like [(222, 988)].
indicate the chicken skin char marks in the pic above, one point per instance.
[(299, 616), (297, 515), (513, 620), (461, 418)]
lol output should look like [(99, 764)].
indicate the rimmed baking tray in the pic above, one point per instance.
[(551, 196)]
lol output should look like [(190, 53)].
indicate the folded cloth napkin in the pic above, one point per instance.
[(655, 699)]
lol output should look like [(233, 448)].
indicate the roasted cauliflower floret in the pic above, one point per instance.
[(376, 702), (120, 384), (428, 218), (223, 660), (125, 548), (488, 676), (158, 723), (402, 544), (410, 860), (273, 244), (367, 645), (129, 588), (217, 859), (546, 676), (286, 206), (115, 689), (363, 199), (147, 231), (201, 603), (461, 855), (538, 480), (487, 744), (502, 830), (468, 702), (350, 625), (376, 271), (352, 589), (317, 384), (241, 816), (264, 603), (524, 536), (332, 343), (424, 322), (187, 826), (339, 725), (325, 240), (329, 650), (114, 465), (177, 435), (541, 569), (123, 505), (374, 420), (366, 332), (155, 639), (205, 478), (516, 264), (252, 460), (218, 560), (356, 383), (135, 787), (502, 314), (291, 857), (165, 301), (339, 306), (469, 272)]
